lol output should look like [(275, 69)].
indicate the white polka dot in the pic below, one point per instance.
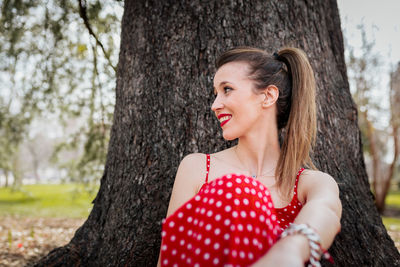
[(294, 207), (233, 227), (259, 194), (190, 232), (263, 208), (220, 182), (208, 227), (226, 251), (229, 184), (273, 217), (254, 183), (209, 213), (242, 254), (206, 191), (188, 260), (247, 190), (264, 233), (292, 212), (217, 231), (173, 238), (197, 198), (269, 205), (255, 241), (211, 201), (238, 180), (227, 222), (165, 262), (243, 214), (237, 202), (201, 223), (220, 191), (171, 224), (249, 227), (174, 252), (240, 227), (163, 233), (189, 219), (257, 230), (261, 187), (238, 190), (226, 236), (164, 247), (237, 240), (207, 241), (197, 251), (246, 241), (180, 214), (268, 212), (252, 214), (234, 253), (245, 201), (206, 256), (283, 220), (203, 210), (246, 180), (182, 242), (212, 190), (229, 176), (253, 191), (189, 206), (216, 261), (250, 255), (217, 217), (266, 192), (258, 205), (235, 214), (189, 246), (262, 218), (205, 200), (228, 208), (228, 195), (195, 222), (197, 210), (216, 246)]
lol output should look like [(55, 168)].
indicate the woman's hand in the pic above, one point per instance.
[(291, 251)]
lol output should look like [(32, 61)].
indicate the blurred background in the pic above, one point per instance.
[(58, 62)]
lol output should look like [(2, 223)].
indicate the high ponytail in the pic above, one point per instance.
[(300, 131), (290, 71)]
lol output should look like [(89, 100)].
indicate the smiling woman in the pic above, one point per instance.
[(255, 203)]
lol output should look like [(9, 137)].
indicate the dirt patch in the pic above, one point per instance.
[(23, 241)]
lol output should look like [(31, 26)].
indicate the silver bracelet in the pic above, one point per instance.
[(313, 240)]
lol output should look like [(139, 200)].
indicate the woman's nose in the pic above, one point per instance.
[(217, 104)]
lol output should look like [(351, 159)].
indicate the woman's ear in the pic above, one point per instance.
[(271, 94)]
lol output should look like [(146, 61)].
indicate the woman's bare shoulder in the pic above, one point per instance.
[(317, 182)]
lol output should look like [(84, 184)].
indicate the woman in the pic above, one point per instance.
[(231, 207)]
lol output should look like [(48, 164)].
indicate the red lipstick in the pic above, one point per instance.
[(224, 115)]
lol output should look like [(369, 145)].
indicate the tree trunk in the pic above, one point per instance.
[(163, 98)]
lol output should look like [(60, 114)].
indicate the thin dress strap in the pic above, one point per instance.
[(297, 180), (208, 167)]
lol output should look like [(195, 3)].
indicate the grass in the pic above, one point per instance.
[(46, 200), (392, 201)]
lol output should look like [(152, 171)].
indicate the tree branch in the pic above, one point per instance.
[(83, 15)]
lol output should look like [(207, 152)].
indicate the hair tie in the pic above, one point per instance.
[(275, 55)]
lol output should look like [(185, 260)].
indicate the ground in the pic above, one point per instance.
[(25, 240)]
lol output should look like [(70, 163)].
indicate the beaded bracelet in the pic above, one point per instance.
[(313, 240)]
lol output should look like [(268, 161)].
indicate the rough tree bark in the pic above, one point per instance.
[(163, 98)]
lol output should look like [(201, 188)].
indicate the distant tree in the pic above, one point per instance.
[(162, 112), (60, 57), (362, 69)]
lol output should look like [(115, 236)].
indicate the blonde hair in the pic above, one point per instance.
[(290, 71)]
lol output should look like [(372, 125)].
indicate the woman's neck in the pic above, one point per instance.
[(259, 156)]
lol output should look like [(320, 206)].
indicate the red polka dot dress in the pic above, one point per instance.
[(231, 221)]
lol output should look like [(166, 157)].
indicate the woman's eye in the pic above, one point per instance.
[(227, 89)]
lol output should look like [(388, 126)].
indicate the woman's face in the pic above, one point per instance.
[(236, 105)]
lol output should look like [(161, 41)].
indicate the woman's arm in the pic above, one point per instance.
[(190, 175), (322, 212)]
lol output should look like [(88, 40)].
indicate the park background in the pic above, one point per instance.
[(57, 81)]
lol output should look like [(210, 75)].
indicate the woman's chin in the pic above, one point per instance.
[(228, 136)]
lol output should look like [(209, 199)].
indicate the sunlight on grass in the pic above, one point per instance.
[(393, 199), (392, 224), (50, 200)]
